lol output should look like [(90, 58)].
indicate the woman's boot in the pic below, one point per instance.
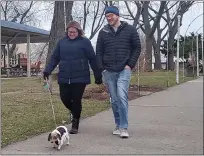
[(75, 126)]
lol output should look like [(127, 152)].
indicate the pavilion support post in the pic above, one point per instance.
[(7, 53), (28, 55), (8, 61)]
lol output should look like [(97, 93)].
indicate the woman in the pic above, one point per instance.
[(73, 53)]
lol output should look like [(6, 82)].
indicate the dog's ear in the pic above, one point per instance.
[(59, 136), (49, 137)]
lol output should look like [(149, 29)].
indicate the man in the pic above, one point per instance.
[(117, 51)]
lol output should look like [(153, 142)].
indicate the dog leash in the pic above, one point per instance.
[(51, 102)]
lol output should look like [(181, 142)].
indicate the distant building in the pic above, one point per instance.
[(20, 49), (164, 61)]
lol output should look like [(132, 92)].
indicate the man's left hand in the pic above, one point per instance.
[(98, 81), (127, 67)]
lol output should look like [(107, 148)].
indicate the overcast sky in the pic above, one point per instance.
[(193, 12)]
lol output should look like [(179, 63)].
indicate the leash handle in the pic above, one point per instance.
[(51, 102)]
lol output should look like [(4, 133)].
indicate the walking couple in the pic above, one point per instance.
[(117, 51)]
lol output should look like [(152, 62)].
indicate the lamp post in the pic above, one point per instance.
[(197, 48), (177, 59), (167, 57), (197, 58), (202, 49)]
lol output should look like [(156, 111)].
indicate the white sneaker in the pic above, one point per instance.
[(116, 131), (124, 133)]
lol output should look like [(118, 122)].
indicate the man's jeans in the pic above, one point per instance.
[(118, 85)]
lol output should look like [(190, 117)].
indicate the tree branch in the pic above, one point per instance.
[(154, 43), (26, 12), (95, 15), (145, 17), (164, 27), (164, 35), (86, 12), (129, 11), (126, 17), (100, 22), (139, 11), (5, 10), (158, 17), (85, 16)]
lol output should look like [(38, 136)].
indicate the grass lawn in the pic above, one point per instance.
[(26, 109), (158, 79)]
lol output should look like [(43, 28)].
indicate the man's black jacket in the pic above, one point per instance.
[(116, 50)]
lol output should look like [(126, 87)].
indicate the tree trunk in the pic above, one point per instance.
[(157, 56), (148, 54), (110, 3), (170, 55), (171, 60), (173, 28), (150, 30), (56, 32), (57, 27), (68, 11)]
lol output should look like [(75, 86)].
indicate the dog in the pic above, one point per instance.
[(58, 137)]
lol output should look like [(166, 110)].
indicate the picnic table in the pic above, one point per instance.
[(19, 71)]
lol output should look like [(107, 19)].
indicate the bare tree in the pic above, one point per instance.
[(98, 19), (93, 17), (171, 25), (58, 24), (108, 3), (38, 52), (173, 28), (16, 11), (135, 17), (86, 12), (68, 11), (143, 9), (158, 38), (57, 27), (150, 30)]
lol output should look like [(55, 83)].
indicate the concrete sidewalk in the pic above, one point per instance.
[(167, 122)]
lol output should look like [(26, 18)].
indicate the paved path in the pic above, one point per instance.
[(167, 122)]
